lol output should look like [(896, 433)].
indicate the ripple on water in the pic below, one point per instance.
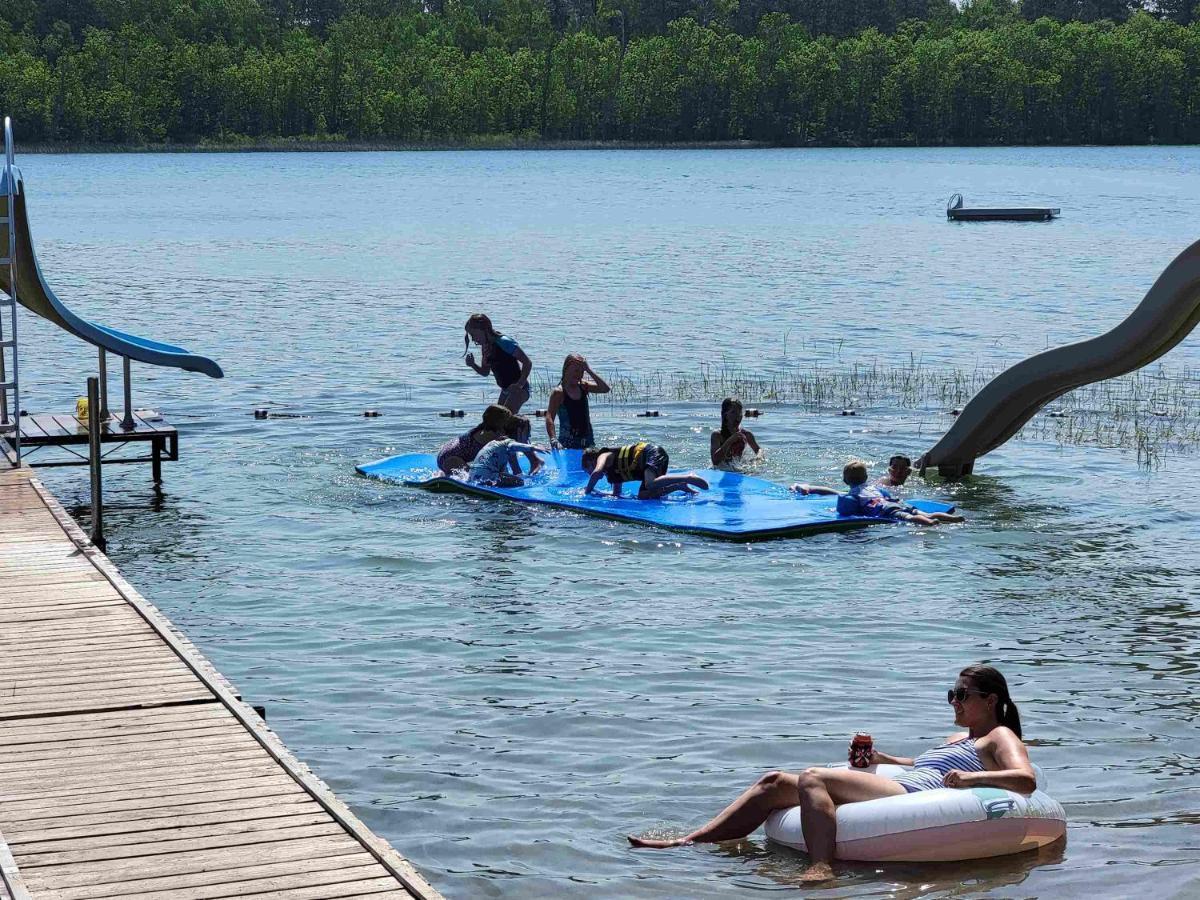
[(505, 692)]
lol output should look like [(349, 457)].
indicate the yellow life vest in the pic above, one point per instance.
[(629, 465)]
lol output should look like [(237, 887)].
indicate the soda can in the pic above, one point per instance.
[(861, 749)]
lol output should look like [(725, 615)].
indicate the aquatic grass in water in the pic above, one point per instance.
[(1152, 412)]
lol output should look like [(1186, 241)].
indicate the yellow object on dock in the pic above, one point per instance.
[(128, 766)]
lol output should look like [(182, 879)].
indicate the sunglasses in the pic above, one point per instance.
[(960, 694)]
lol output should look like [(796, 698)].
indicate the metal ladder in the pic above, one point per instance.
[(10, 385)]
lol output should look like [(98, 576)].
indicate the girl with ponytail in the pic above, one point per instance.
[(988, 753)]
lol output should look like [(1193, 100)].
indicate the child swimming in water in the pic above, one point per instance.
[(458, 453), (899, 468), (501, 358), (731, 441), (642, 462), (499, 463), (865, 500), (569, 402)]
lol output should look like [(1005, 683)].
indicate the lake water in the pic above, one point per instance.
[(504, 692)]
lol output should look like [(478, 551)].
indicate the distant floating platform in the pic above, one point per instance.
[(956, 212)]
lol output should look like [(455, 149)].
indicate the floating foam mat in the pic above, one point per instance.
[(736, 506)]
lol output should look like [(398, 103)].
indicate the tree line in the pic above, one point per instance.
[(789, 72)]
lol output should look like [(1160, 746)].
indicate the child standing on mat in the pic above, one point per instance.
[(643, 463), (867, 500), (569, 402), (499, 357), (730, 442)]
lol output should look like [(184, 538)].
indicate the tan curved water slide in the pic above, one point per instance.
[(1165, 317)]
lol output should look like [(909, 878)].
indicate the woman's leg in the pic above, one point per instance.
[(821, 791), (818, 792), (512, 398), (775, 790)]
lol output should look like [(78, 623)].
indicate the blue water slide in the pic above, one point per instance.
[(35, 294)]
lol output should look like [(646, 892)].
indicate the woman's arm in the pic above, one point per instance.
[(484, 369), (556, 396), (599, 385), (526, 366), (878, 757), (1014, 772), (716, 448), (721, 452), (750, 441)]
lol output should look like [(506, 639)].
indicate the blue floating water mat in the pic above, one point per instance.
[(736, 506)]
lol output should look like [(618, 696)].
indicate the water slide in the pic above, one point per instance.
[(35, 294), (1165, 317)]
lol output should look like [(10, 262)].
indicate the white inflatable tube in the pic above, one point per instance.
[(942, 825)]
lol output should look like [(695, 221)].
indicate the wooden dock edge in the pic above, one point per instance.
[(381, 850), (12, 886)]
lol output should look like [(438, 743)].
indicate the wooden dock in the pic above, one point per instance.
[(158, 441), (129, 768)]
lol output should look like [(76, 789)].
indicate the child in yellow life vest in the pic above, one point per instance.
[(643, 463)]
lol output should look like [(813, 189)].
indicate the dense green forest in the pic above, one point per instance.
[(852, 72)]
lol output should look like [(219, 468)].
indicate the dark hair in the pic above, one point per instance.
[(567, 363), (478, 320), (495, 418), (727, 406), (518, 428), (900, 460), (990, 681), (591, 454)]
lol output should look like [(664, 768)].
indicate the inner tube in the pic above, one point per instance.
[(943, 825)]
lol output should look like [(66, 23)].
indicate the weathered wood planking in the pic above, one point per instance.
[(128, 767)]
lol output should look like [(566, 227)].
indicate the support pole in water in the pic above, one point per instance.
[(127, 423), (104, 413), (93, 393)]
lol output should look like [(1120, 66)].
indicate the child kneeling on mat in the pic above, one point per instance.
[(493, 464), (642, 462), (867, 500)]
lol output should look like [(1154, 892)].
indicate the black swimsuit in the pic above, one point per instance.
[(505, 368), (575, 421)]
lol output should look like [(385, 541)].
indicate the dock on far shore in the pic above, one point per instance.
[(129, 768)]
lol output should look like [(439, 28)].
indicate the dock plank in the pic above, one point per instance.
[(225, 882), (128, 766)]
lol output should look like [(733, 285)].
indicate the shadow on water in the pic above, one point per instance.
[(164, 528), (783, 866)]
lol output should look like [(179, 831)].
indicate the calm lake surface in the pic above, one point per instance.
[(504, 692)]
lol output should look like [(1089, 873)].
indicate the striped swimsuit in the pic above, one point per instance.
[(931, 766)]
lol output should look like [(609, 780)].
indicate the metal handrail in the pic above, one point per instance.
[(11, 417)]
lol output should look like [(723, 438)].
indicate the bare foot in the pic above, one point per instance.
[(697, 481), (816, 872), (652, 844)]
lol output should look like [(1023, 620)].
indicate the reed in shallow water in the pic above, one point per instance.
[(1152, 412)]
